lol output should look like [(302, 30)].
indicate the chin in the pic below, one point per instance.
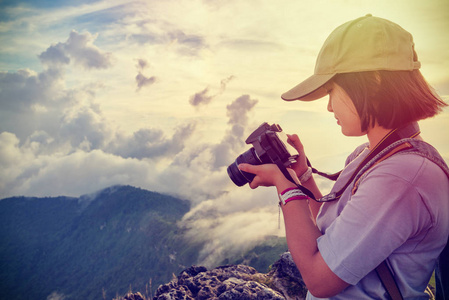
[(352, 132)]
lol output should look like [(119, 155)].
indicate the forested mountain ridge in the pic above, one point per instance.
[(99, 246), (84, 247)]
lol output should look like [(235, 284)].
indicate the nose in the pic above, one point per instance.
[(329, 105)]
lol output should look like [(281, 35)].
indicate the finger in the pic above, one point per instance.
[(247, 168), (294, 140), (253, 184)]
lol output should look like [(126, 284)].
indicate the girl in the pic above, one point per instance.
[(391, 201)]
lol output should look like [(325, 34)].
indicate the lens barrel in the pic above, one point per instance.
[(238, 176)]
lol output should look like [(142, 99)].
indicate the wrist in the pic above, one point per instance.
[(291, 194), (284, 184), (306, 175)]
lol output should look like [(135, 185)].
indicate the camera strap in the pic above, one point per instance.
[(332, 177), (287, 175), (278, 161), (408, 131)]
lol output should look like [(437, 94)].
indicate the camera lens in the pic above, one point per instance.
[(240, 177)]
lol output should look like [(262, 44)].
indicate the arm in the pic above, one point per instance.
[(301, 233), (300, 167), (313, 205)]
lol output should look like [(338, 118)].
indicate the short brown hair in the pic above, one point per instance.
[(390, 98)]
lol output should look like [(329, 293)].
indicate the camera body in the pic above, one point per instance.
[(269, 146)]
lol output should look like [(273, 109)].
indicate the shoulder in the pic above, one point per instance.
[(410, 179), (411, 168)]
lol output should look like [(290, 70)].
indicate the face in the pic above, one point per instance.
[(344, 111)]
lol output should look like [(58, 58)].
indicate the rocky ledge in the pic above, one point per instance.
[(234, 282)]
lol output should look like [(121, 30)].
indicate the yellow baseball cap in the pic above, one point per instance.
[(364, 44)]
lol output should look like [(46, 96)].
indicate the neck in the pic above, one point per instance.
[(376, 134)]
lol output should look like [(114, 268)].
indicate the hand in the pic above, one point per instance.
[(301, 164), (267, 175)]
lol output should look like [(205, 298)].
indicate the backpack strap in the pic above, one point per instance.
[(442, 275), (387, 279)]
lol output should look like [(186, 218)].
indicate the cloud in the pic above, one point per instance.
[(22, 90), (224, 83), (70, 174), (31, 101), (141, 79), (233, 222), (41, 102), (48, 129), (55, 55), (159, 32), (242, 230), (80, 49), (151, 143), (187, 44), (141, 64), (203, 97), (237, 110), (225, 152), (84, 128)]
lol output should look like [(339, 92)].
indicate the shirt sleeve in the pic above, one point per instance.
[(385, 211)]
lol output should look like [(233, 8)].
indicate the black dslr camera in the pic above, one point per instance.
[(269, 146)]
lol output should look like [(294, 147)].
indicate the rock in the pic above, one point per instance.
[(226, 282), (233, 282), (236, 282), (286, 278), (133, 296)]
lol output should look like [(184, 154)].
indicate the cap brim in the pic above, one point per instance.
[(308, 90)]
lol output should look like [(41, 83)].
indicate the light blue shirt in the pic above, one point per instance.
[(400, 212)]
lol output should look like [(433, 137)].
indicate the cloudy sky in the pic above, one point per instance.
[(162, 94)]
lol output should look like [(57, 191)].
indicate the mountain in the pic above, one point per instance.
[(99, 246), (84, 247)]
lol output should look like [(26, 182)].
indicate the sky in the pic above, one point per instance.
[(162, 94)]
